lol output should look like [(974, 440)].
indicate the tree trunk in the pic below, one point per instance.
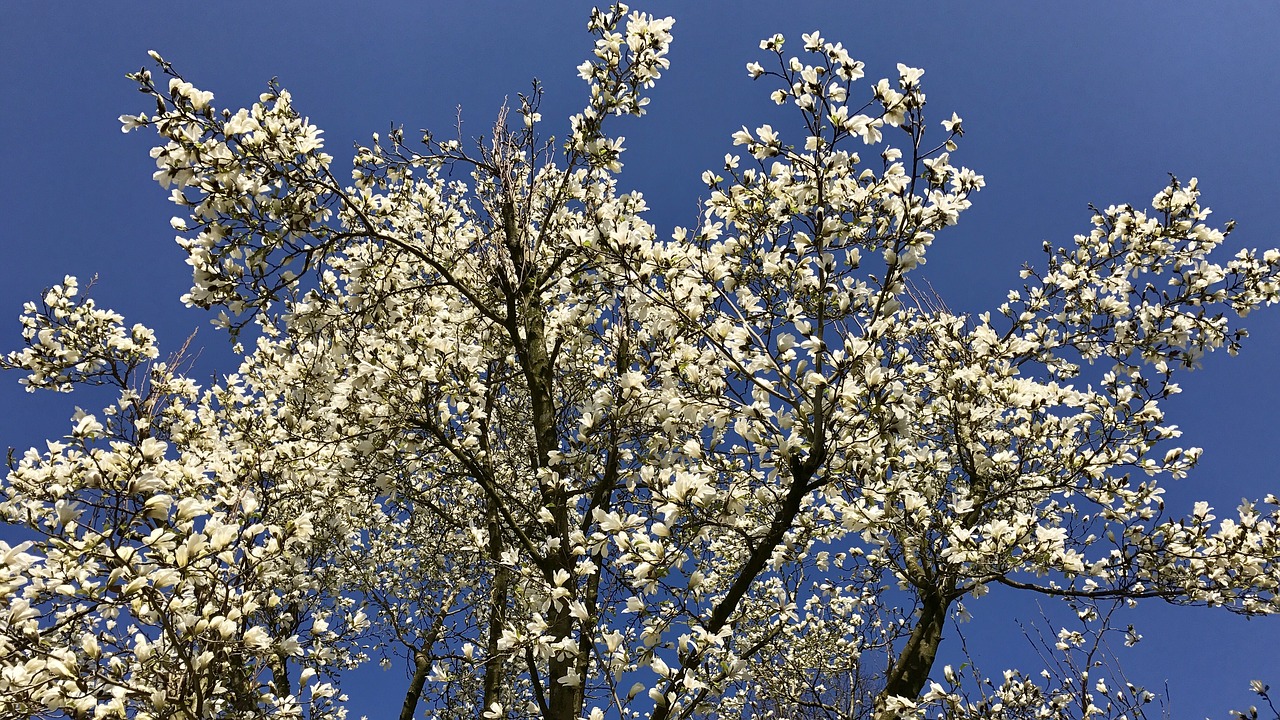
[(911, 670), (421, 666), (529, 338), (422, 658), (564, 701), (801, 474), (497, 611)]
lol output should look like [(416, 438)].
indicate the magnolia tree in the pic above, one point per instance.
[(489, 423)]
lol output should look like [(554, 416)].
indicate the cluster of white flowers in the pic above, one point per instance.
[(162, 580), (69, 341), (252, 182), (629, 58), (492, 424)]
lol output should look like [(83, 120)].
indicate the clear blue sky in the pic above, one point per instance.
[(1064, 104)]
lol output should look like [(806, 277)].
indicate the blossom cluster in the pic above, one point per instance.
[(491, 425)]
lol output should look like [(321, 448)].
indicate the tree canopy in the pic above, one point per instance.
[(491, 421)]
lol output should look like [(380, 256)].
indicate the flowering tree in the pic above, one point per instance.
[(488, 421)]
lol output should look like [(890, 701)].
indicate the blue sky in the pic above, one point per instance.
[(1065, 104)]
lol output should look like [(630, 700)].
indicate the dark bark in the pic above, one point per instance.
[(422, 659), (527, 328), (421, 666), (801, 475), (911, 670), (497, 613)]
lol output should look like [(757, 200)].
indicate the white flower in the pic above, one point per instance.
[(909, 77), (256, 638), (87, 426)]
